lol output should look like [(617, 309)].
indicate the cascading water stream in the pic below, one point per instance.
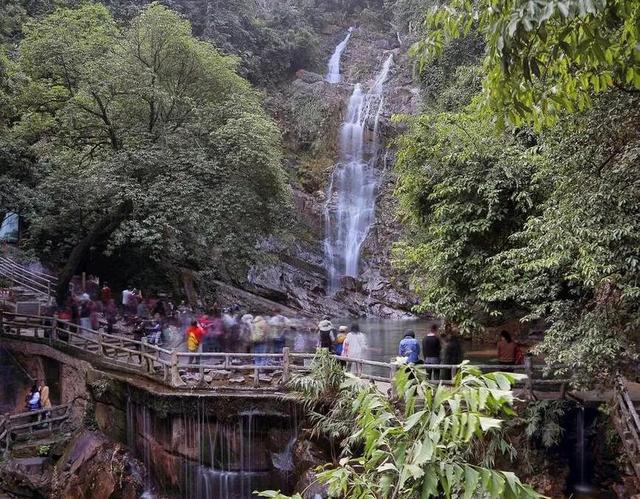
[(350, 209), (196, 456), (333, 73)]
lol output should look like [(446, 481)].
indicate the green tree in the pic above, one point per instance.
[(544, 57), (575, 262), (147, 140), (463, 194), (420, 443)]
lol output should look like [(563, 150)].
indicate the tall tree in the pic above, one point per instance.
[(147, 138)]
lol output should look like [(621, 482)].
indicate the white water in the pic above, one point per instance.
[(350, 209), (333, 74)]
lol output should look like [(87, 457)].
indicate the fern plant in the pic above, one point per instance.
[(326, 400), (419, 443), (543, 421)]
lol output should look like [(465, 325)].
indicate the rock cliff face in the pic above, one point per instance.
[(310, 111)]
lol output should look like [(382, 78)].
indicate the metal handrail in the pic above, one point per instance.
[(37, 282), (627, 422), (22, 268)]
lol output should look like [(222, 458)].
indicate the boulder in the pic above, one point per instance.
[(309, 76), (350, 283), (94, 466), (28, 477)]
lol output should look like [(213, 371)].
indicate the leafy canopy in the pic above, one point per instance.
[(543, 56), (462, 194), (144, 113)]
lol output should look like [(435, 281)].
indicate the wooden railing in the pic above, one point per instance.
[(627, 422), (211, 370), (33, 424), (38, 282)]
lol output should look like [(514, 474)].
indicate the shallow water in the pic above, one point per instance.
[(384, 335)]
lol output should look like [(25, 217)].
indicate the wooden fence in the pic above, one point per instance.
[(627, 422), (210, 370), (33, 425)]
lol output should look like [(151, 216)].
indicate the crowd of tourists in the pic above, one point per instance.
[(447, 349), (158, 321)]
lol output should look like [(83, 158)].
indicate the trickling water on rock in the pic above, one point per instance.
[(333, 73), (198, 456), (350, 209)]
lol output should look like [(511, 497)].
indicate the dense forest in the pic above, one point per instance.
[(144, 140), (127, 140)]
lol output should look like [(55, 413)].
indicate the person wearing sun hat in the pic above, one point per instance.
[(325, 334)]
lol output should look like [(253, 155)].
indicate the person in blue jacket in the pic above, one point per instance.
[(409, 347)]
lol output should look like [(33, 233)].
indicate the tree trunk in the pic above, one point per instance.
[(100, 231)]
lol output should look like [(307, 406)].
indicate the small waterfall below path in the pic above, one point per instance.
[(196, 455), (333, 73), (350, 208)]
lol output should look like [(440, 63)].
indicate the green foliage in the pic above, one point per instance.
[(543, 422), (144, 113), (543, 57), (575, 262), (419, 444), (44, 450), (463, 193), (325, 399)]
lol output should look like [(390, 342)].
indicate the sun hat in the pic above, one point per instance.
[(325, 325), (343, 329)]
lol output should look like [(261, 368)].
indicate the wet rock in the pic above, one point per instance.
[(29, 477), (309, 76), (350, 283), (94, 466), (239, 379), (111, 420), (307, 454), (309, 487)]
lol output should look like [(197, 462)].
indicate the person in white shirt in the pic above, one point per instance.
[(355, 346)]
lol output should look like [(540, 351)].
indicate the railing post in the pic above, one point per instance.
[(529, 372), (100, 343), (175, 380), (392, 374), (285, 364), (256, 374)]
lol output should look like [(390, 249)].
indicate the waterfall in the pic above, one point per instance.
[(194, 455), (333, 73), (350, 208)]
